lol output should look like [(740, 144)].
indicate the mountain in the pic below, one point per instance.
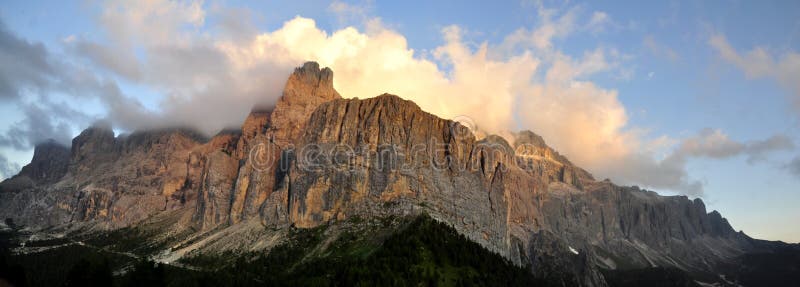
[(317, 161)]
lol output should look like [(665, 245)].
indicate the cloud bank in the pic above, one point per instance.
[(29, 76), (210, 66), (7, 168), (759, 63)]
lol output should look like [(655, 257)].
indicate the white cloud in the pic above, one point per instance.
[(69, 39), (713, 143), (552, 25), (351, 13), (7, 168), (166, 46), (565, 68), (151, 22), (659, 50), (599, 21), (670, 172), (759, 63)]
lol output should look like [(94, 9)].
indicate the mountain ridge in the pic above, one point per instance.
[(316, 158)]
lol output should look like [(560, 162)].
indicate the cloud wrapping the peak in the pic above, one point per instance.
[(29, 76), (537, 88), (166, 49)]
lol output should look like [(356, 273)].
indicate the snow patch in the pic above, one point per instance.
[(573, 250)]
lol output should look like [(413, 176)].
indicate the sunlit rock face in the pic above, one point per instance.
[(356, 155), (527, 202), (266, 134), (306, 89), (316, 158)]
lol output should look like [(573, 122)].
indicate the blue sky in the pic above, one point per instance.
[(696, 98)]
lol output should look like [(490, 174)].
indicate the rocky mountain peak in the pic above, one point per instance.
[(719, 225), (97, 133), (307, 88), (529, 137), (308, 83), (44, 149), (95, 141), (533, 153), (311, 75), (49, 164), (529, 143)]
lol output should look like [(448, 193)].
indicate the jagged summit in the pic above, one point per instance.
[(306, 88), (49, 163), (528, 139), (312, 75), (309, 82)]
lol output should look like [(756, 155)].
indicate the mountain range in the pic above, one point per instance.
[(317, 161)]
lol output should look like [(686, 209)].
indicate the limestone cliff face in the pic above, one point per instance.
[(250, 189), (265, 135), (256, 124), (357, 156), (384, 155), (625, 227), (115, 181), (316, 158), (217, 179)]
